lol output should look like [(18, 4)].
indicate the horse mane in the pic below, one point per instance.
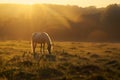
[(48, 37)]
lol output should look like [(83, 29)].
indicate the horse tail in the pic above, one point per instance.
[(31, 45), (52, 43)]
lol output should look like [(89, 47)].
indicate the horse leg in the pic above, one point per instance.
[(43, 47), (40, 47), (33, 47), (35, 44)]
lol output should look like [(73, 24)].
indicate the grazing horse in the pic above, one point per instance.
[(41, 38)]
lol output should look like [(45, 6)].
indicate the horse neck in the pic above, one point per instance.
[(49, 42)]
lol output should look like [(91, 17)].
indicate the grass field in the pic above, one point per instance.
[(68, 61)]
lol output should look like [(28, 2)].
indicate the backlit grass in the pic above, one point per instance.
[(68, 61)]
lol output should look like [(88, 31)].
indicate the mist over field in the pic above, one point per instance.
[(63, 23)]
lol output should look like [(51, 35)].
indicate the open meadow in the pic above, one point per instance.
[(85, 36), (68, 61)]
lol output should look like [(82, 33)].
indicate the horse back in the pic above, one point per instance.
[(40, 37)]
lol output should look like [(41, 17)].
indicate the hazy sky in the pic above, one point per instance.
[(82, 3)]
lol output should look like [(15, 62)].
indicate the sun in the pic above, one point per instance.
[(27, 2)]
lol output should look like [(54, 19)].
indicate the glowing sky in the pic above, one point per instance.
[(82, 3)]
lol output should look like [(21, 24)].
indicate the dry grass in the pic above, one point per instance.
[(68, 61)]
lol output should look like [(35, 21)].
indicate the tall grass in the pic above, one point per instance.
[(68, 61)]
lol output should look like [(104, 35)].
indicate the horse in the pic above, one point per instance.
[(41, 38)]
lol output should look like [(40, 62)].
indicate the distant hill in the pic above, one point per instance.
[(63, 23)]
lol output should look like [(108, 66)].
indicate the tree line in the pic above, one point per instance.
[(62, 22)]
